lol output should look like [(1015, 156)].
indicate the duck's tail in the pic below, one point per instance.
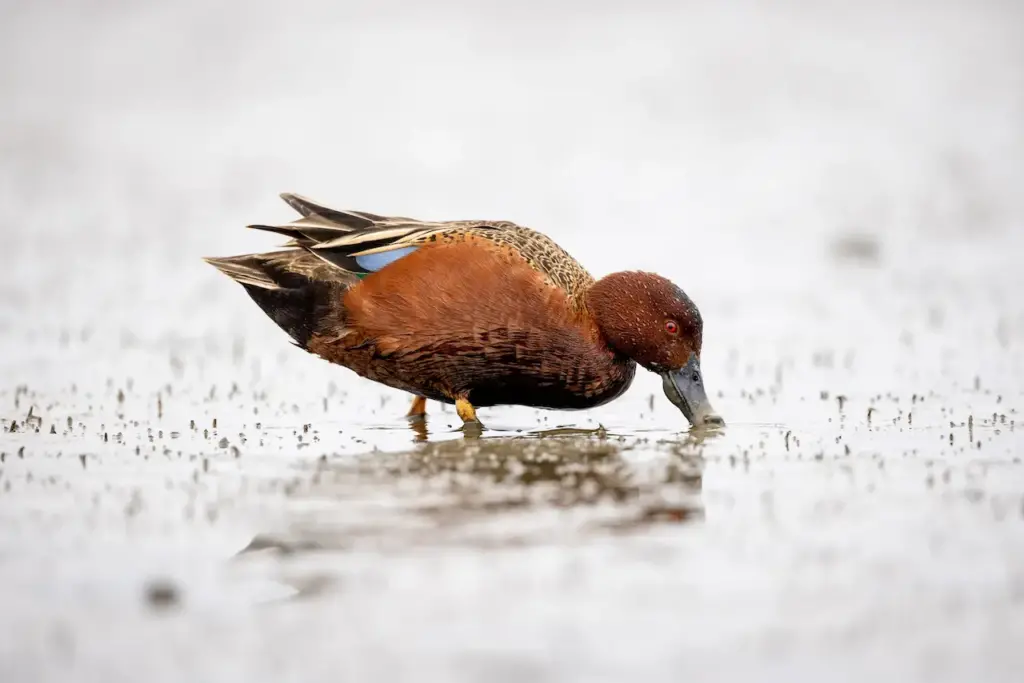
[(298, 291), (301, 288)]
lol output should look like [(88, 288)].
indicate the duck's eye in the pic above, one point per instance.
[(672, 327)]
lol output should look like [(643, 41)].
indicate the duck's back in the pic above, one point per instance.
[(360, 242), (544, 255)]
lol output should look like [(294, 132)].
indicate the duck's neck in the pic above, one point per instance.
[(610, 304)]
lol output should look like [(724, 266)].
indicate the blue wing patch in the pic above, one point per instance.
[(374, 262)]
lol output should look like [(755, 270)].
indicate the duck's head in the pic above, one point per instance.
[(647, 318)]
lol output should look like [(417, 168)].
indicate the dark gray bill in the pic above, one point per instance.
[(685, 388)]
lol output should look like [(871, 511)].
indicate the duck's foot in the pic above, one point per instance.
[(418, 411), (470, 424), (472, 430), (465, 410)]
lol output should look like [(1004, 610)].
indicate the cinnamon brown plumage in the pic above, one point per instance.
[(468, 312)]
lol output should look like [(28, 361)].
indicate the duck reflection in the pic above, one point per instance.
[(486, 494), (562, 467), (616, 484)]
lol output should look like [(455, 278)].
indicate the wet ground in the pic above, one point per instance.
[(186, 496)]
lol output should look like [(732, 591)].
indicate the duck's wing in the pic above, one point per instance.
[(360, 243), (307, 207), (319, 223)]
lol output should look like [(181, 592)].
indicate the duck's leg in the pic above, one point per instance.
[(418, 411), (467, 412)]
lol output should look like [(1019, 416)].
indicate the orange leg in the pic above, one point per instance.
[(471, 426), (465, 410), (419, 408)]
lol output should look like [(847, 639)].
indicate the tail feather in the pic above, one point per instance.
[(291, 288), (242, 270), (353, 219)]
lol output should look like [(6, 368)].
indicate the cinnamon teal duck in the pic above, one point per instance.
[(472, 313)]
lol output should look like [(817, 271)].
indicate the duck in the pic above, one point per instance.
[(471, 313)]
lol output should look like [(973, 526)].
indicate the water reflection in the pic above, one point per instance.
[(562, 468), (577, 470), (485, 494), (419, 426)]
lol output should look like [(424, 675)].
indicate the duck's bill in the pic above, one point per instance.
[(685, 388)]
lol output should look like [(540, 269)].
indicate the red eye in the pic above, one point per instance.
[(672, 327)]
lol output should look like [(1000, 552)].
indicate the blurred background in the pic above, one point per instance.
[(737, 149), (837, 185)]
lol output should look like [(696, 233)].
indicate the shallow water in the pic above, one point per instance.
[(186, 496)]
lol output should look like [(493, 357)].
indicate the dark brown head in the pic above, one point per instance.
[(647, 318)]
